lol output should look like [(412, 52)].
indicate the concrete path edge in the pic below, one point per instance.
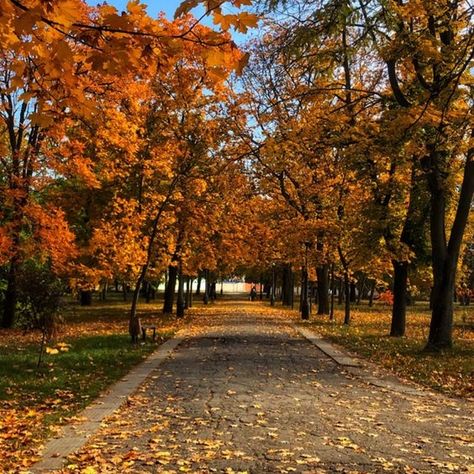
[(73, 437), (338, 356), (356, 367)]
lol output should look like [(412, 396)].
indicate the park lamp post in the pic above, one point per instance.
[(304, 295), (272, 297)]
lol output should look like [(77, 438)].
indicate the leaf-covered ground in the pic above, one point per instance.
[(245, 393), (34, 405), (92, 350), (451, 372)]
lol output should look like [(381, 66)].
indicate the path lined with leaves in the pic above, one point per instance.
[(245, 393)]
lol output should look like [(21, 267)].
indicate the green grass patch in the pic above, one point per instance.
[(68, 381)]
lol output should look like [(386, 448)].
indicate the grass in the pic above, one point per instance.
[(76, 376), (451, 372), (33, 403)]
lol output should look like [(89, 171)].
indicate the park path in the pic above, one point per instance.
[(247, 393)]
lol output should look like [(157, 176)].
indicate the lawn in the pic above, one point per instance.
[(35, 402), (451, 372)]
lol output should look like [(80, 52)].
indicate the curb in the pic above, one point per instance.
[(388, 382), (338, 356), (75, 436)]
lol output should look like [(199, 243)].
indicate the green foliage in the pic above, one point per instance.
[(40, 293)]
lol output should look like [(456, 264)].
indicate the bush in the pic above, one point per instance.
[(40, 297)]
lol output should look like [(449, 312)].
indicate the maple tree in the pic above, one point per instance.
[(60, 75), (396, 80)]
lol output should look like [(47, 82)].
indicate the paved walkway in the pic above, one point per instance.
[(250, 394)]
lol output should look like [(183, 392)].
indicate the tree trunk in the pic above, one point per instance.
[(11, 296), (347, 299), (148, 288), (441, 326), (186, 292), (292, 289), (180, 300), (340, 292), (198, 286), (170, 290), (400, 278), (371, 293), (286, 285), (190, 292), (445, 257), (103, 293), (333, 290), (353, 292), (134, 326), (205, 298), (85, 298), (400, 274), (323, 288), (361, 289), (305, 306)]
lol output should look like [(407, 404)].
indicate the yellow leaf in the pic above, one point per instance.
[(243, 61), (51, 350), (89, 470)]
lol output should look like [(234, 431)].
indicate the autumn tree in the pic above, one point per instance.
[(45, 80)]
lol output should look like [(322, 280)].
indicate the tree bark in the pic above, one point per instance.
[(180, 300), (170, 290), (86, 298), (340, 292), (286, 285), (322, 273), (190, 293), (445, 256), (400, 278), (205, 298), (186, 292), (11, 295), (333, 290), (305, 305), (361, 289), (371, 293), (198, 286), (353, 292), (347, 300)]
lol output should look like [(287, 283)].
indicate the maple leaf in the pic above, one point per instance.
[(185, 7)]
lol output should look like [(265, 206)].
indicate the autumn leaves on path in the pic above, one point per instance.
[(245, 393)]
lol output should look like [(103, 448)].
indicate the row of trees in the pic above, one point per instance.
[(117, 145), (362, 141), (128, 146)]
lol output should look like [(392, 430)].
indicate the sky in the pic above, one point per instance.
[(154, 6), (169, 7)]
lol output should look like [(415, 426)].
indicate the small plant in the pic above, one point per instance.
[(40, 293)]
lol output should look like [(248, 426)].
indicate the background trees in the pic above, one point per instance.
[(379, 94), (129, 148)]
